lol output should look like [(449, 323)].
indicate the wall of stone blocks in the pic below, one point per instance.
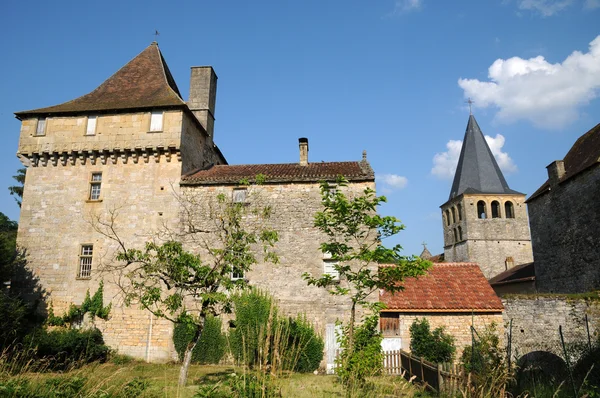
[(196, 147), (455, 324), (565, 229), (536, 319)]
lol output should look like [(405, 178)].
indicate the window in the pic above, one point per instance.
[(459, 209), (481, 209), (460, 237), (447, 217), (495, 209), (85, 261), (95, 184), (509, 210), (239, 195), (156, 121), (91, 125), (453, 215), (329, 269), (455, 236), (237, 274), (41, 127)]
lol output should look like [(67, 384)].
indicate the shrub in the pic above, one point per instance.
[(211, 346), (62, 348), (307, 343), (485, 354), (366, 357), (436, 346), (13, 320)]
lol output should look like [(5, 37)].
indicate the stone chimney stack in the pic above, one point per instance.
[(556, 171), (203, 96), (303, 143)]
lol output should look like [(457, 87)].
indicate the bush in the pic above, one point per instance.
[(308, 344), (61, 348), (485, 354), (436, 346), (366, 357), (13, 320), (211, 346)]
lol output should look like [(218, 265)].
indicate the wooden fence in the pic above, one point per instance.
[(445, 378)]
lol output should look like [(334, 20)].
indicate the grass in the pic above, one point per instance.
[(133, 379)]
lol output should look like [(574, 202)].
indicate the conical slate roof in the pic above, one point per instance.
[(144, 82), (477, 170)]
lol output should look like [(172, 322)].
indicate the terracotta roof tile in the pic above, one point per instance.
[(286, 172), (447, 287), (144, 82)]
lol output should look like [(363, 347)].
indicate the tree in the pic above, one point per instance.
[(354, 233), (17, 190), (435, 346), (8, 247), (185, 287)]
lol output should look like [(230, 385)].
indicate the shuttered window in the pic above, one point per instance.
[(156, 121), (329, 269), (91, 126), (41, 127)]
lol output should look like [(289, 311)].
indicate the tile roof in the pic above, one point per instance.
[(286, 172), (518, 273), (584, 153), (477, 170), (144, 82), (447, 287)]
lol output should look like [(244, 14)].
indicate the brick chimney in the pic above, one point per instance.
[(203, 96), (303, 144), (556, 171)]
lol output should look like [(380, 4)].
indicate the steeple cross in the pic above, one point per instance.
[(424, 245), (470, 102)]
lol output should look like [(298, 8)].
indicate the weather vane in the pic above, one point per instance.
[(156, 34), (470, 102)]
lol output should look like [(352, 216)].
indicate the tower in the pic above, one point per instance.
[(484, 221)]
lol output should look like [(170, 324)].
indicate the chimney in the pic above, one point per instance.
[(303, 144), (556, 171), (203, 95)]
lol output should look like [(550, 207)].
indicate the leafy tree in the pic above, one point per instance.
[(8, 247), (17, 190), (185, 287), (354, 234), (436, 346)]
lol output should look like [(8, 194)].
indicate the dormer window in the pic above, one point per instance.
[(41, 127), (91, 125), (156, 121)]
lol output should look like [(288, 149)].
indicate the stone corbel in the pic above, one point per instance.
[(113, 156), (103, 156), (82, 157), (135, 155), (147, 154), (156, 154), (73, 158), (44, 159), (64, 157), (124, 155), (54, 158), (34, 160), (93, 156)]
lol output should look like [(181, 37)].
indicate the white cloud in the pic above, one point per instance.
[(405, 6), (548, 95), (444, 163), (591, 4), (392, 182), (546, 8)]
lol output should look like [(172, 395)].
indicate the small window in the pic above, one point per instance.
[(156, 121), (447, 217), (329, 269), (453, 215), (41, 127), (85, 261), (459, 209), (239, 195), (91, 125), (237, 274), (95, 185), (509, 210), (481, 209), (495, 209), (460, 237)]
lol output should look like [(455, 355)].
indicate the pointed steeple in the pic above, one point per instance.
[(477, 170), (144, 82)]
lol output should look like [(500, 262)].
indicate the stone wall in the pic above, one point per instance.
[(536, 319), (566, 235), (488, 241), (455, 324)]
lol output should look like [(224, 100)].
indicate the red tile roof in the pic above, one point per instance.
[(287, 172), (144, 82), (584, 153), (447, 287)]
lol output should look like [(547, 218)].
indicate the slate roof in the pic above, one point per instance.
[(518, 273), (447, 287), (584, 153), (286, 172), (477, 170), (144, 82)]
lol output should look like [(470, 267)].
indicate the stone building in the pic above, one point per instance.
[(131, 148), (484, 221), (453, 295), (565, 220)]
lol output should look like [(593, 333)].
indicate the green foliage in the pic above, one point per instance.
[(365, 358), (212, 344), (17, 190), (135, 387), (8, 248), (309, 345), (436, 346), (62, 348), (485, 354), (93, 306), (13, 320)]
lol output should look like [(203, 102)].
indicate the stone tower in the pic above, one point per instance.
[(484, 220)]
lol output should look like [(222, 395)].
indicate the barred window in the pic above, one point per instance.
[(95, 185), (85, 261)]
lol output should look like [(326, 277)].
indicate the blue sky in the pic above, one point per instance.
[(386, 76)]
